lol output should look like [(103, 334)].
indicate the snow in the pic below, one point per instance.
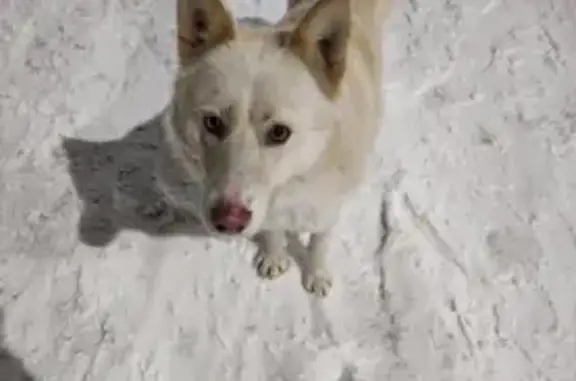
[(476, 157)]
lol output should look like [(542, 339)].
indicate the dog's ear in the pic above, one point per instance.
[(321, 41), (293, 3), (202, 25)]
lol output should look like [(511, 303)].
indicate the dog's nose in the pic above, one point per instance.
[(230, 217)]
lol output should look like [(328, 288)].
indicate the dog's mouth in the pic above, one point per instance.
[(227, 215), (230, 218)]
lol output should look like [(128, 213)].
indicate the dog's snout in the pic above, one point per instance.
[(230, 217)]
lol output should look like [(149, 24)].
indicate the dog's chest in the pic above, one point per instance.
[(305, 205)]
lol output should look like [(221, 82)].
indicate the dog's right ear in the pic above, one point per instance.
[(293, 3), (202, 25), (321, 40)]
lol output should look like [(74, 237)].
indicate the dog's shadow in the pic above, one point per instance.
[(11, 367), (120, 188)]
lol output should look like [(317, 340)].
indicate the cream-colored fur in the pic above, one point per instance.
[(317, 72)]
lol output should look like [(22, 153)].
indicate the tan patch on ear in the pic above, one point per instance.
[(321, 41), (294, 3), (202, 25)]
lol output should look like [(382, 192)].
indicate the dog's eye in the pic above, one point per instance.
[(214, 125), (278, 134)]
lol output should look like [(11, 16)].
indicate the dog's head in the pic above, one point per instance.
[(254, 104)]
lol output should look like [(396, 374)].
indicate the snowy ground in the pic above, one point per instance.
[(477, 156)]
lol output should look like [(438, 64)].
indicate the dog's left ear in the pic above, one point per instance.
[(202, 25), (321, 41)]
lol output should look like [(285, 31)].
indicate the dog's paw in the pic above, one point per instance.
[(271, 266), (318, 284)]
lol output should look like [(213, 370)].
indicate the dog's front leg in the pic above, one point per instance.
[(272, 259), (316, 278)]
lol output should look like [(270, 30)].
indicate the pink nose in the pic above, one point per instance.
[(230, 217)]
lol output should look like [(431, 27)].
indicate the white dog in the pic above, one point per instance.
[(279, 118)]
